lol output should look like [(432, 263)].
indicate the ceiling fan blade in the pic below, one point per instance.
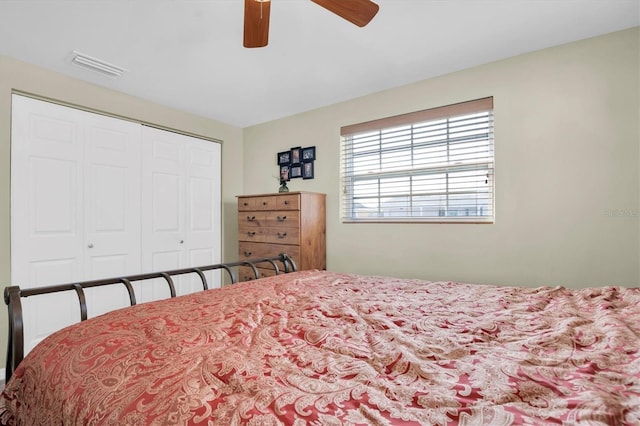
[(256, 23), (359, 12)]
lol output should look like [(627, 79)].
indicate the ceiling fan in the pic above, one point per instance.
[(256, 16)]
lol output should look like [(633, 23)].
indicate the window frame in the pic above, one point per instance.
[(448, 112)]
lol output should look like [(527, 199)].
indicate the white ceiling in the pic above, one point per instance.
[(188, 54)]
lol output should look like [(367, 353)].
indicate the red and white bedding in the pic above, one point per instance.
[(321, 348)]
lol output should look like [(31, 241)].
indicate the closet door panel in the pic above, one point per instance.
[(46, 175), (46, 210), (75, 208), (111, 206), (53, 197), (181, 193), (203, 197), (112, 193), (163, 204), (167, 207), (163, 197)]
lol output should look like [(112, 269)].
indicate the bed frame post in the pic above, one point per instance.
[(287, 261), (15, 345)]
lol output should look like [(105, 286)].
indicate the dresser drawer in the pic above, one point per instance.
[(248, 232), (288, 202), (245, 273), (282, 218), (281, 235), (266, 202), (246, 203), (252, 219), (248, 250)]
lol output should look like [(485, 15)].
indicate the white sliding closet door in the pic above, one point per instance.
[(75, 195), (181, 203), (94, 196)]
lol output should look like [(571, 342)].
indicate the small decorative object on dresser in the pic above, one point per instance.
[(283, 186), (293, 223), (284, 177)]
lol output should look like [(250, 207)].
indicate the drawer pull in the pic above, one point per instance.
[(264, 203), (286, 202), (247, 278), (282, 235), (281, 218), (245, 204), (251, 233), (251, 218), (247, 254)]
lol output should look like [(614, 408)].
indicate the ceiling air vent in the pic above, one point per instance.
[(97, 65)]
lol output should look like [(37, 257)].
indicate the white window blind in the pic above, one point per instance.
[(435, 165)]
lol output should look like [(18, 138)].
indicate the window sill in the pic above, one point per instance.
[(475, 221)]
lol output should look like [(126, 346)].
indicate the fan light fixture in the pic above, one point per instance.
[(256, 16), (97, 65)]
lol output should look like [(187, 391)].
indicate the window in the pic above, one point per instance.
[(434, 165)]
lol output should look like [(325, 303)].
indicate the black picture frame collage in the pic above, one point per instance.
[(297, 163)]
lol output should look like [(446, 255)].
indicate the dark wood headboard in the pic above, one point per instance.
[(13, 295)]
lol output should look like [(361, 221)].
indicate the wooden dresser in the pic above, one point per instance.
[(290, 222)]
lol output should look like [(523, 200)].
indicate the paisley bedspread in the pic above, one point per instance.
[(321, 348)]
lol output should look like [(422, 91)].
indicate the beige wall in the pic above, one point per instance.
[(567, 172), (15, 75)]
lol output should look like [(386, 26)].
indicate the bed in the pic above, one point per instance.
[(327, 348)]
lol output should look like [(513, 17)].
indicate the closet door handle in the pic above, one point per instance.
[(90, 245), (181, 241)]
